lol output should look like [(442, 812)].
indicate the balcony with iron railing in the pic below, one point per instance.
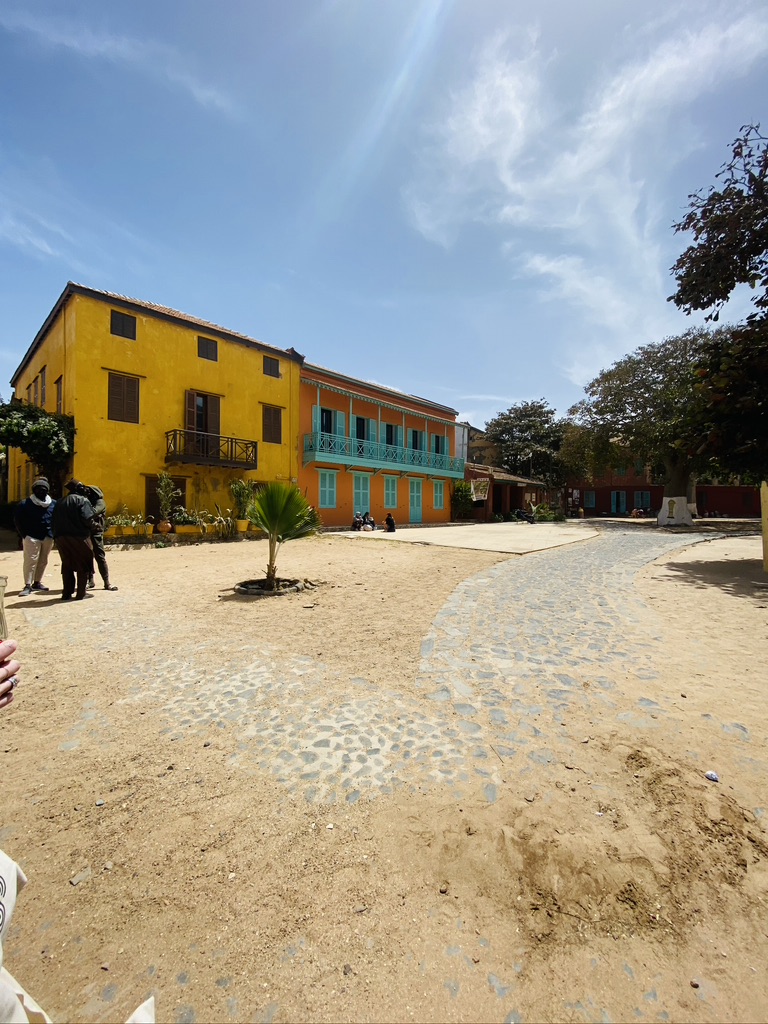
[(350, 451), (197, 448)]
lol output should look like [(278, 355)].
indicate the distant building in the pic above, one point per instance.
[(368, 448)]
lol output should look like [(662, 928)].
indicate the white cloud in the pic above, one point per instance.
[(577, 200), (150, 58)]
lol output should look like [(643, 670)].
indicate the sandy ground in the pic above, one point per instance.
[(209, 886)]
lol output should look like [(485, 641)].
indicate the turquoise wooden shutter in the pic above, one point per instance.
[(371, 430), (315, 419), (399, 437), (340, 424)]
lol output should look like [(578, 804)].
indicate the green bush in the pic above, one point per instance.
[(461, 500)]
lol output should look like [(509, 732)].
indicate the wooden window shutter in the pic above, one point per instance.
[(214, 414), (190, 398), (132, 399)]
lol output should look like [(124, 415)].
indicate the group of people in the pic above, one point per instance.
[(367, 523), (75, 524)]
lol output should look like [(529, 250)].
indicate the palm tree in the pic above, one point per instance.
[(282, 512)]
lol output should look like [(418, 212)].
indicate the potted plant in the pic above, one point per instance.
[(143, 525), (187, 520), (166, 491), (242, 494), (121, 523)]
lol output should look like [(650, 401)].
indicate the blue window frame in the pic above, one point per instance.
[(439, 486), (589, 499), (390, 492), (642, 499), (327, 489)]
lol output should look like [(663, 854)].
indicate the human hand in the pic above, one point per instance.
[(8, 669)]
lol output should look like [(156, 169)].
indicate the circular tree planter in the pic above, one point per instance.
[(257, 588)]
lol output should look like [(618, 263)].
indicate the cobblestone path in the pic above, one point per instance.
[(513, 649)]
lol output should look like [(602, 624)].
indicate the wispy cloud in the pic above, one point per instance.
[(147, 57), (576, 199)]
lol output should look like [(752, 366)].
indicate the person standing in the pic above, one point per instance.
[(72, 520), (96, 497), (32, 518)]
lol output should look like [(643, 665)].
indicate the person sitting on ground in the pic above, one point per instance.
[(389, 520), (369, 523), (357, 522), (72, 519), (32, 518), (524, 516)]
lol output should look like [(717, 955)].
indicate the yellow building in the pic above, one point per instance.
[(151, 389)]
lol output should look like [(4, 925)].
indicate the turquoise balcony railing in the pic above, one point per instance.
[(349, 451)]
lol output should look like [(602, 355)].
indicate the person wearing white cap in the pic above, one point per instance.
[(33, 518)]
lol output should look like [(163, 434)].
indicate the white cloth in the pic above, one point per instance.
[(16, 1005)]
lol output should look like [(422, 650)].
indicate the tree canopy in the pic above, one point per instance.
[(648, 405), (528, 437), (47, 439), (730, 233), (731, 413)]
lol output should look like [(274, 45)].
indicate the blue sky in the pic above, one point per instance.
[(468, 200)]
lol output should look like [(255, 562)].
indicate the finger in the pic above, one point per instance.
[(7, 699), (7, 648), (10, 668)]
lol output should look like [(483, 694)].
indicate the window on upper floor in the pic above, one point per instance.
[(123, 325), (271, 424), (439, 444), (59, 385), (29, 394), (123, 398), (271, 366), (42, 387), (202, 412), (36, 391), (207, 348)]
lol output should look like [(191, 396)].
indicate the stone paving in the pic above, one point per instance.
[(512, 650)]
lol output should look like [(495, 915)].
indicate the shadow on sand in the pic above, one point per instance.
[(738, 578)]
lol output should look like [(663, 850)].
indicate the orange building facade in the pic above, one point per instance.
[(367, 448)]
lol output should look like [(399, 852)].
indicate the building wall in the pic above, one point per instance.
[(118, 456), (374, 405), (598, 500)]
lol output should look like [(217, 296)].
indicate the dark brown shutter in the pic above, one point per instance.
[(190, 398), (132, 399), (214, 414)]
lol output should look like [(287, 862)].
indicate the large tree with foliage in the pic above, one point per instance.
[(732, 412), (47, 439), (648, 404), (730, 233), (528, 437), (730, 247)]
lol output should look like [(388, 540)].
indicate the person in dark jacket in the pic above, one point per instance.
[(389, 520), (32, 518), (72, 520), (96, 497)]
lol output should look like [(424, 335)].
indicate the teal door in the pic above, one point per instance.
[(618, 503), (415, 502)]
